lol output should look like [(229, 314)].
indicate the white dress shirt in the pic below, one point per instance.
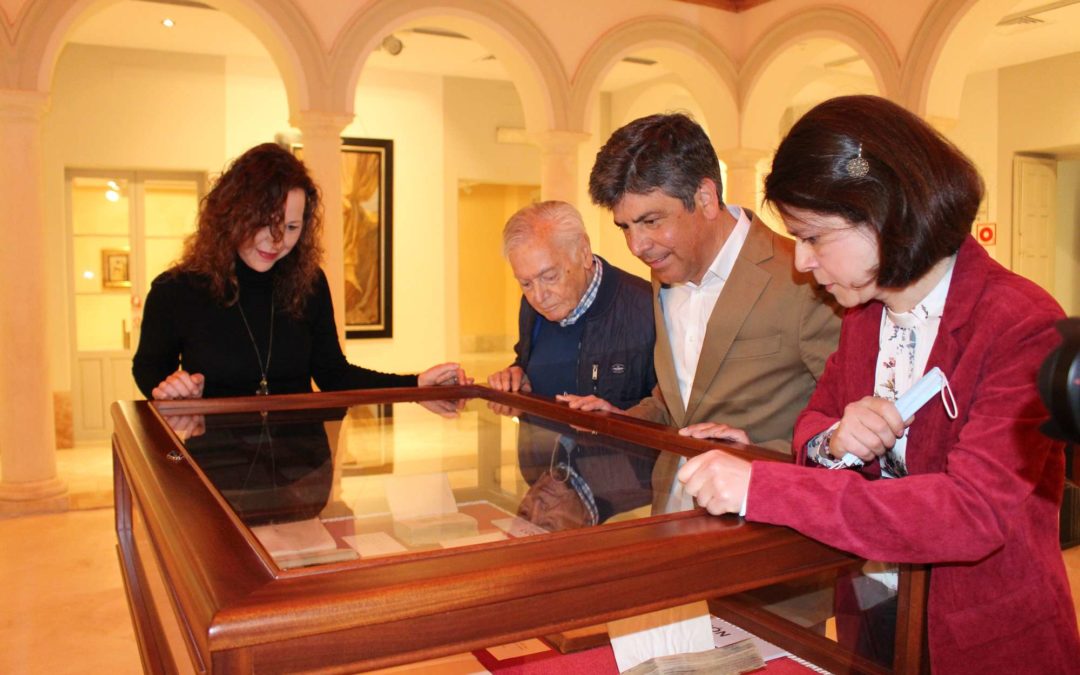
[(688, 306), (904, 350)]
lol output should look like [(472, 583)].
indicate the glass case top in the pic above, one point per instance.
[(317, 486)]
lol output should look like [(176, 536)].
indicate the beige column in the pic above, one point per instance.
[(321, 136), (28, 480), (743, 179), (559, 174)]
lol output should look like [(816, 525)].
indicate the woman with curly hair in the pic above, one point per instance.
[(247, 309)]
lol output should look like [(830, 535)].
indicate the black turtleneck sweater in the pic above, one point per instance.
[(184, 325)]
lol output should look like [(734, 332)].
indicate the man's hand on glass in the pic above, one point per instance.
[(510, 379), (587, 403), (720, 432)]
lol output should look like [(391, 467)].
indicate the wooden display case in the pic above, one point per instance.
[(339, 532)]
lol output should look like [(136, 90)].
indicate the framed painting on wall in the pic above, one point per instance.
[(367, 191), (115, 268)]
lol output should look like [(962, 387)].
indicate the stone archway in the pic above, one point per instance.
[(278, 24), (759, 93), (539, 80), (701, 65), (525, 52), (939, 58)]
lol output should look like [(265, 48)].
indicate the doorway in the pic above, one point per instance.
[(1034, 196), (125, 228), (490, 296)]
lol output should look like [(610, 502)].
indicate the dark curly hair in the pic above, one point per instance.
[(919, 196), (247, 197), (670, 152)]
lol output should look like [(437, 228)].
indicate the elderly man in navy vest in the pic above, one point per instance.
[(585, 326)]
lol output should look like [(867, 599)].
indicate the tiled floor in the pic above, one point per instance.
[(64, 609)]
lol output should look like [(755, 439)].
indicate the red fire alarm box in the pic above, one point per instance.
[(986, 233)]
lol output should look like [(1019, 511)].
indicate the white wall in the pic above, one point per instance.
[(1039, 112), (256, 108), (474, 109), (975, 132), (408, 108), (1067, 264)]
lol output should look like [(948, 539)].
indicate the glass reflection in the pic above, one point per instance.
[(324, 485), (270, 467), (866, 603), (578, 479), (276, 472)]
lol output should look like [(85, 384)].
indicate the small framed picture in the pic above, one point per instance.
[(115, 268)]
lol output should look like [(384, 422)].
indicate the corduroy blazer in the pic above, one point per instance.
[(982, 498)]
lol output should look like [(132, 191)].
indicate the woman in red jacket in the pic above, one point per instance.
[(881, 208)]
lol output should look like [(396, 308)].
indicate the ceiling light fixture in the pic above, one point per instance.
[(167, 22)]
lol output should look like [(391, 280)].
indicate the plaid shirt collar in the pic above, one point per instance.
[(587, 299)]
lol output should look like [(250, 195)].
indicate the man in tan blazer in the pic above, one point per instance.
[(741, 338)]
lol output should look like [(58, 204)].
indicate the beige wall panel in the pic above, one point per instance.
[(90, 418)]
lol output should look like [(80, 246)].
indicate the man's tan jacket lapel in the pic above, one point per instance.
[(741, 291), (664, 363)]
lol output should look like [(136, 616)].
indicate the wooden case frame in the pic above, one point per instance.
[(180, 545)]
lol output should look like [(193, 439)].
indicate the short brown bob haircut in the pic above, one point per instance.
[(919, 196), (249, 196)]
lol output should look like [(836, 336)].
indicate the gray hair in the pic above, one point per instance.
[(558, 221)]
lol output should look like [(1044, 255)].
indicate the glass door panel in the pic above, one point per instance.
[(126, 228), (101, 251), (101, 322), (100, 206)]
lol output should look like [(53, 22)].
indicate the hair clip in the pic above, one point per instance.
[(857, 167)]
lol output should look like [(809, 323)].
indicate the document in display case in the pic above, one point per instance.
[(346, 531)]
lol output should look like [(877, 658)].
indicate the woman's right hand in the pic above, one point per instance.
[(443, 375), (187, 426), (180, 384), (869, 427)]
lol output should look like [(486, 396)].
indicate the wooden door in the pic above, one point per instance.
[(1034, 192)]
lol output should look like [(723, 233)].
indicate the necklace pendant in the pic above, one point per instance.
[(263, 389)]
